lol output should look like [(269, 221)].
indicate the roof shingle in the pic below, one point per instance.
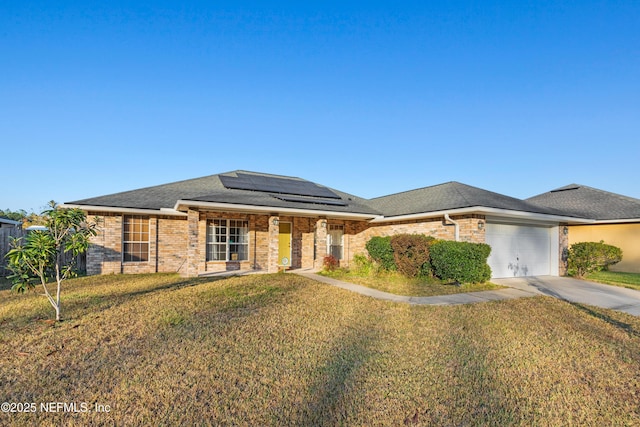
[(451, 195), (588, 202), (212, 189)]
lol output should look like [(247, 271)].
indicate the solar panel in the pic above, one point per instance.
[(272, 184), (316, 201)]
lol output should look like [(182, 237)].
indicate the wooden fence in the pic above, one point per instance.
[(6, 233)]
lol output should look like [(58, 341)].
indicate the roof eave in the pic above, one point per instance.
[(135, 211), (235, 207), (487, 211), (617, 221)]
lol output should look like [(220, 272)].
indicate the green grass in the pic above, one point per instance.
[(284, 350), (398, 284), (626, 280)]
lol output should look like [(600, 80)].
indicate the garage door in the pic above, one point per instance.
[(519, 250)]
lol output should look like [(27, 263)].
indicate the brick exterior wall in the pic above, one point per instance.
[(172, 241), (358, 233), (178, 244), (167, 243), (104, 255)]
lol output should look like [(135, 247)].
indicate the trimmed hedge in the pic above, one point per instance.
[(380, 251), (462, 262), (587, 257), (411, 254)]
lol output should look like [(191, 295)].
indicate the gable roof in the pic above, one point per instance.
[(588, 202), (237, 188), (452, 195)]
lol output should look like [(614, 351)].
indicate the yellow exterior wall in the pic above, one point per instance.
[(624, 236)]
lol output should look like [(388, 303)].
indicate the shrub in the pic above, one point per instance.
[(380, 251), (330, 263), (363, 265), (462, 262), (587, 257), (411, 254)]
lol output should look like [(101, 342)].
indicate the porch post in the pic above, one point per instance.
[(321, 243), (563, 249), (274, 239)]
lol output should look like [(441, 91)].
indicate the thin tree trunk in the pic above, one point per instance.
[(58, 280)]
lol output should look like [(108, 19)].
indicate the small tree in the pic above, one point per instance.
[(43, 256)]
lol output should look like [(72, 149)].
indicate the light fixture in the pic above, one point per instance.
[(276, 221), (565, 230), (480, 225), (323, 223)]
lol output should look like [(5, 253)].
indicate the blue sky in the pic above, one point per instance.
[(371, 98)]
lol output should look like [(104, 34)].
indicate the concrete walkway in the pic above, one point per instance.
[(564, 288), (578, 291), (453, 299)]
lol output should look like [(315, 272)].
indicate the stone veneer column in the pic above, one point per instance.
[(321, 243), (563, 250), (274, 236), (193, 250)]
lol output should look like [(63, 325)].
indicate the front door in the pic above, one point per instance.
[(284, 245)]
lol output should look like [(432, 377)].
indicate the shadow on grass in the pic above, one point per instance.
[(472, 394), (353, 350), (606, 318), (539, 285), (72, 306)]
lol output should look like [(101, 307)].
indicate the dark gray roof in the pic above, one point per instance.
[(588, 202), (212, 189), (451, 195), (581, 201)]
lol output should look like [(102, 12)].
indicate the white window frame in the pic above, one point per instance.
[(128, 220), (331, 244), (226, 240)]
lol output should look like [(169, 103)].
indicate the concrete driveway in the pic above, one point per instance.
[(579, 291)]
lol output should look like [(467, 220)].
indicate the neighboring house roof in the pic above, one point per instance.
[(452, 195), (236, 188), (588, 202), (37, 228), (9, 221)]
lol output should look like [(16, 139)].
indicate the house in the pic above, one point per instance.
[(255, 221), (616, 219)]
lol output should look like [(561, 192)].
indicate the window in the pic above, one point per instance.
[(334, 240), (135, 240), (227, 240)]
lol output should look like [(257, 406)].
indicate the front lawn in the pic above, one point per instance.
[(626, 280), (398, 284), (285, 350)]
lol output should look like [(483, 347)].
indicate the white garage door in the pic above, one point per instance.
[(519, 250)]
